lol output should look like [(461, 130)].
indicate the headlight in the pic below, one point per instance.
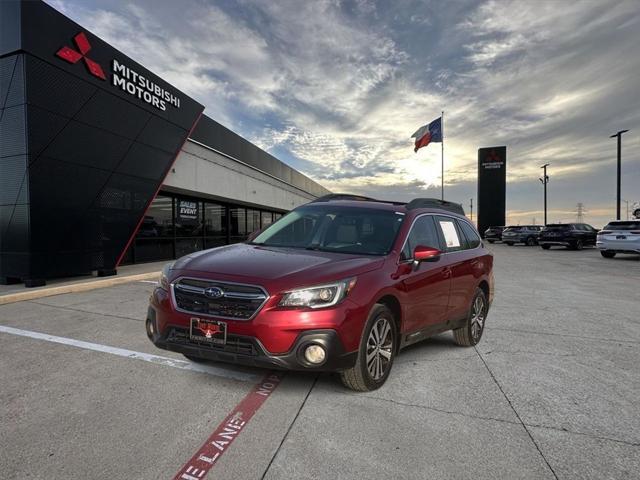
[(320, 296), (163, 281)]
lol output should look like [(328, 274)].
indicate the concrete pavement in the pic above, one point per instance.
[(551, 391)]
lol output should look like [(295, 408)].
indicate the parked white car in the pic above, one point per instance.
[(620, 236)]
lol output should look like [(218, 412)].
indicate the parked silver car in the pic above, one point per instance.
[(621, 236)]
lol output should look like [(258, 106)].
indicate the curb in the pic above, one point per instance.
[(76, 287)]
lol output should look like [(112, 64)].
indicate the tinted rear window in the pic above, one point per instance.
[(630, 225)]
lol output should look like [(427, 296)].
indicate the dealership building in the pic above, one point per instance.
[(103, 163)]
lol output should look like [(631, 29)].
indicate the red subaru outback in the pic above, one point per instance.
[(340, 284)]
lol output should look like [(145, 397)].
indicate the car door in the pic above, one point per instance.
[(461, 261), (426, 284), (592, 234)]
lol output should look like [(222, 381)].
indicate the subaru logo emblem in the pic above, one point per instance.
[(213, 292)]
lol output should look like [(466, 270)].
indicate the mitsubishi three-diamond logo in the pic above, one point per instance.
[(74, 56)]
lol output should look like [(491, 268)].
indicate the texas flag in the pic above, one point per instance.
[(428, 133)]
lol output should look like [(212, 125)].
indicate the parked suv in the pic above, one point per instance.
[(619, 237), (339, 284), (527, 234), (572, 235), (493, 234)]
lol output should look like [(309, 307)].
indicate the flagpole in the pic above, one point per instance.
[(442, 133)]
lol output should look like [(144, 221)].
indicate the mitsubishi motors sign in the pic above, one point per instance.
[(122, 76), (141, 87)]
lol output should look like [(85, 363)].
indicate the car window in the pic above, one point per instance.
[(623, 225), (473, 239), (450, 233), (423, 233)]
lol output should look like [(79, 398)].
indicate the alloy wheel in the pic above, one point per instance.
[(379, 348), (478, 316)]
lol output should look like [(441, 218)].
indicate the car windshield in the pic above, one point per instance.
[(333, 228), (630, 225), (513, 229)]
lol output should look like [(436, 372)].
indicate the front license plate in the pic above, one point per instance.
[(621, 237), (208, 331)]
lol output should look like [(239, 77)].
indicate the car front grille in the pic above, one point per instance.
[(218, 299), (235, 344)]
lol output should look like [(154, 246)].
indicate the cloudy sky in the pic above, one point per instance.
[(336, 88)]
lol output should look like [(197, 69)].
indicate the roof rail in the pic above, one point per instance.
[(342, 196), (435, 203), (351, 197)]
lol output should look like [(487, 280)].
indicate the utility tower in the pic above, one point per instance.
[(580, 211)]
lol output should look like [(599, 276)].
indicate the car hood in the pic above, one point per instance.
[(260, 265)]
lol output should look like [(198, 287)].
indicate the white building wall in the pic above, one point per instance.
[(202, 171)]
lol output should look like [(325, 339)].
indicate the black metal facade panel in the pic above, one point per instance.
[(492, 177), (80, 159), (14, 187), (211, 133)]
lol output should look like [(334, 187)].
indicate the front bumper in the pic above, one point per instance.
[(275, 338), (248, 351)]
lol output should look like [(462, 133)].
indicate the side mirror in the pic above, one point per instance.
[(426, 254)]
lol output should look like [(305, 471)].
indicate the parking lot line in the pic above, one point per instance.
[(121, 352), (223, 436)]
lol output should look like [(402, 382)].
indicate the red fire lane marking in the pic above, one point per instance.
[(224, 435)]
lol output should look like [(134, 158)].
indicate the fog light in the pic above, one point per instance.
[(314, 354)]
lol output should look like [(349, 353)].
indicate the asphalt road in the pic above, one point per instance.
[(551, 392)]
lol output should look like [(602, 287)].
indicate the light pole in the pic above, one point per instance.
[(545, 180), (619, 136)]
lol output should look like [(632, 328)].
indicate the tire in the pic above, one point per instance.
[(577, 245), (509, 243), (607, 253), (545, 247), (195, 359), (530, 242), (471, 333), (491, 241), (360, 377)]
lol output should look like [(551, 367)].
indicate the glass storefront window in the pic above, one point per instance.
[(157, 222), (253, 221), (238, 217), (185, 246), (215, 220), (267, 219), (188, 218), (175, 226)]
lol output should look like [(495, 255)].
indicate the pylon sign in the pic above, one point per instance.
[(492, 179)]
